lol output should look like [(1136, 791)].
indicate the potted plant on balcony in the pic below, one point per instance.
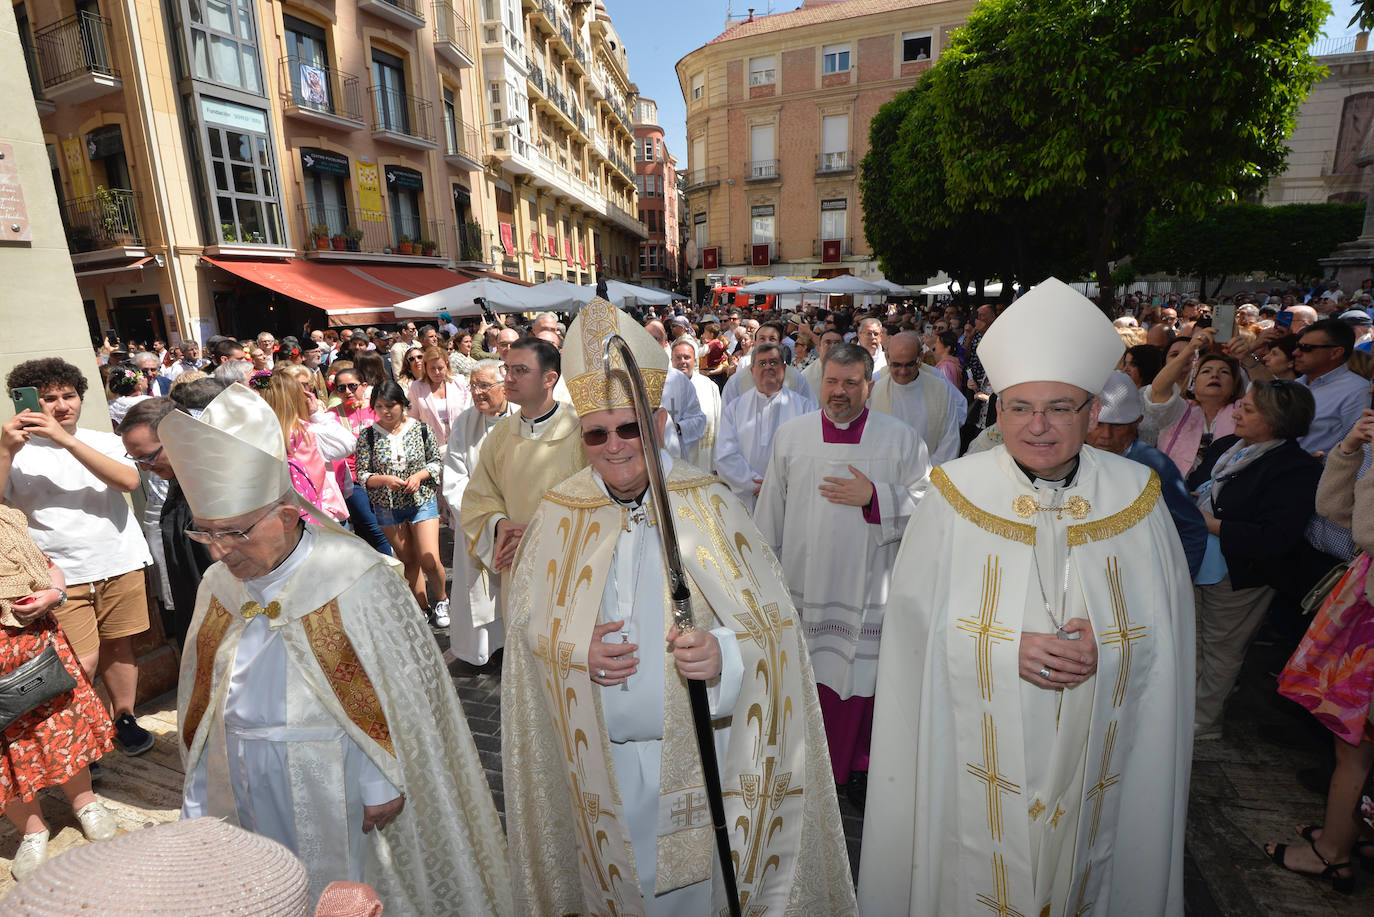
[(428, 247), (226, 232), (321, 234), (404, 245), (472, 241), (111, 220), (353, 239), (339, 242), (80, 238)]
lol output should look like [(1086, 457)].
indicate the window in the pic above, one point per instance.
[(915, 46), (242, 172), (761, 161), (403, 187), (389, 88), (699, 230), (308, 65), (834, 219), (698, 86), (639, 184), (835, 143), (834, 58), (652, 252), (224, 44), (648, 149), (698, 163), (761, 228), (762, 71), (327, 200), (452, 125)]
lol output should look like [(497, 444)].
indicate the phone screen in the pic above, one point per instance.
[(1284, 319), (1224, 319), (25, 399)]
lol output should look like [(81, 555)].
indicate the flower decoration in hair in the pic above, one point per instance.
[(123, 381), (260, 380)]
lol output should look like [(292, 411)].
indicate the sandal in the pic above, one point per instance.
[(1362, 851), (1344, 885)]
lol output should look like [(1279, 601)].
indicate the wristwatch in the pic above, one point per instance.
[(61, 597)]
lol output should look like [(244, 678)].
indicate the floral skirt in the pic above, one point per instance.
[(1332, 671), (49, 745)]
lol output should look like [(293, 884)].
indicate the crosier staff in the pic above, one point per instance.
[(681, 597)]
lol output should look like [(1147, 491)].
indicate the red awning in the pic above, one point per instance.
[(349, 294)]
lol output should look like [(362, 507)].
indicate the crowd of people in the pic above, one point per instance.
[(1079, 525)]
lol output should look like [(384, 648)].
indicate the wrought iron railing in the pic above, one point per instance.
[(74, 46), (762, 170), (703, 176), (841, 161), (452, 26), (369, 232), (461, 139), (401, 113), (307, 85), (105, 219)]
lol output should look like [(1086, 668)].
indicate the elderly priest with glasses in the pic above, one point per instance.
[(606, 799), (313, 706), (1033, 732)]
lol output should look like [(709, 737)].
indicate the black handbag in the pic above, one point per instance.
[(32, 684)]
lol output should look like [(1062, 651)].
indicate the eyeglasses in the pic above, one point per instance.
[(768, 364), (517, 370), (415, 359), (1056, 415), (483, 386), (348, 386), (233, 536), (1308, 348), (598, 436), (148, 462)]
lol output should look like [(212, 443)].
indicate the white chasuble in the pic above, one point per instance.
[(602, 784), (838, 565), (476, 632), (930, 405), (1024, 800), (745, 438), (296, 713)]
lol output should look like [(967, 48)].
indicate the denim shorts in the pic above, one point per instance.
[(386, 516)]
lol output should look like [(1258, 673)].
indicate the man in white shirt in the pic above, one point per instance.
[(748, 424), (399, 348), (870, 338), (190, 359), (840, 486), (684, 359), (742, 381), (70, 482)]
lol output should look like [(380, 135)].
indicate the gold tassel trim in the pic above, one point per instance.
[(997, 525), (1117, 523)]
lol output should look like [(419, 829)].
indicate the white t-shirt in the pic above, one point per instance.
[(82, 523)]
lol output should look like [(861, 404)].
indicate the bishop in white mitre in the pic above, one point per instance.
[(475, 632), (1033, 731), (840, 486), (921, 397), (749, 423)]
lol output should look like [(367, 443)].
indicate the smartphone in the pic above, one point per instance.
[(1284, 320), (25, 399), (1224, 319)]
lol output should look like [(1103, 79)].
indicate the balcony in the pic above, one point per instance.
[(535, 75), (835, 163), (831, 251), (705, 177), (402, 119), (404, 13), (514, 151), (103, 226), (341, 234), (452, 37), (579, 59), (473, 245), (763, 170), (462, 145), (544, 15), (322, 95), (565, 36), (74, 59)]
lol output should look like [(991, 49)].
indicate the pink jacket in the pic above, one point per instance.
[(1182, 439)]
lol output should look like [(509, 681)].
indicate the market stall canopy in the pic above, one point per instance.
[(560, 295), (893, 289), (775, 286), (618, 292), (845, 284), (500, 296)]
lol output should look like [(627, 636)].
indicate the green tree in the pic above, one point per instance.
[(1108, 110)]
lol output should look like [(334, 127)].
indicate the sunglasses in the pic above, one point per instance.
[(1308, 348), (598, 436), (349, 386)]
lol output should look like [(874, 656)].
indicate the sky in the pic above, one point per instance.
[(657, 35)]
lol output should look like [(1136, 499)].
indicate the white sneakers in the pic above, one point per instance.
[(33, 853), (439, 613), (96, 822)]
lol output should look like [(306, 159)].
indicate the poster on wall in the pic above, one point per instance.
[(369, 192), (75, 154)]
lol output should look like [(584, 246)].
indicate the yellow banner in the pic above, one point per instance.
[(369, 192), (76, 167)]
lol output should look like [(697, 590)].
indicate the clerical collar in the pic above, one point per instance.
[(632, 502), (532, 426), (849, 432), (1042, 483)]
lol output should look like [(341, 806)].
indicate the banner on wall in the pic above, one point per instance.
[(534, 246), (75, 154), (369, 193), (507, 239)]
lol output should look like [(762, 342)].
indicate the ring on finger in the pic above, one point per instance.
[(601, 672), (1045, 673)]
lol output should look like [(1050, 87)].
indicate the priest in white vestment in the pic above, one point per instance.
[(684, 359), (475, 632), (1033, 733), (921, 397), (742, 382), (749, 423), (812, 374), (840, 486), (605, 801), (313, 705), (686, 419)]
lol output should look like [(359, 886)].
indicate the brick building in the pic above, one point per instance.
[(778, 109), (656, 181)]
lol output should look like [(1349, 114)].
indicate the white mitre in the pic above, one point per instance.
[(1052, 334), (591, 387), (231, 460)]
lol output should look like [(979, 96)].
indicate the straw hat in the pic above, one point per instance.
[(592, 389), (202, 866), (23, 568)]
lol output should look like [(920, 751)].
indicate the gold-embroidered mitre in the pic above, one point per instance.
[(591, 387)]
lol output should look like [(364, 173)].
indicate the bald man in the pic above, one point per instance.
[(921, 397), (656, 331)]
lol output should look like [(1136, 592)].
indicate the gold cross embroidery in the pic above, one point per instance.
[(1105, 781), (1054, 819), (689, 808), (990, 774), (251, 610), (999, 904), (1125, 632), (984, 629), (1037, 810), (1083, 907)]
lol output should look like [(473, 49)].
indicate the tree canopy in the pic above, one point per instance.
[(1084, 118)]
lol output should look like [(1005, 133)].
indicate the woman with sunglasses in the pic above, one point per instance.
[(412, 367), (461, 360), (356, 415), (398, 462), (1191, 414), (314, 439)]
